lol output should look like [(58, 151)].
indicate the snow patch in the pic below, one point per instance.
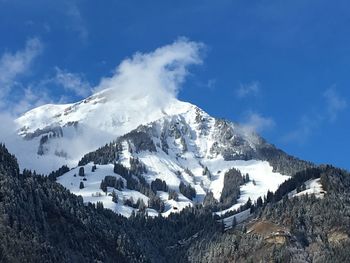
[(312, 186)]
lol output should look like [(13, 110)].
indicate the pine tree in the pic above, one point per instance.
[(222, 226), (259, 202), (173, 195), (246, 178), (114, 197), (99, 206), (234, 222), (81, 171), (249, 203), (103, 186), (81, 186)]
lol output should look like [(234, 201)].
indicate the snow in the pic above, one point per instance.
[(172, 206), (312, 186), (259, 172), (110, 115), (162, 166), (92, 192), (240, 217)]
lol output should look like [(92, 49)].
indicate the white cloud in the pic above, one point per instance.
[(249, 89), (335, 104), (77, 23), (256, 122), (30, 98), (7, 127), (157, 75), (211, 84), (304, 130), (72, 82), (13, 65)]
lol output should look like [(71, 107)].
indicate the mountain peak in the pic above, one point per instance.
[(61, 134), (105, 110)]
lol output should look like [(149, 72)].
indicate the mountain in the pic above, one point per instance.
[(222, 190), (164, 158)]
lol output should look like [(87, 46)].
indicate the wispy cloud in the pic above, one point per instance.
[(306, 126), (13, 65), (335, 104), (72, 82), (256, 122), (211, 84), (77, 23), (16, 96), (248, 89), (30, 98)]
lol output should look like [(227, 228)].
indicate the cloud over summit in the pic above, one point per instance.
[(157, 75)]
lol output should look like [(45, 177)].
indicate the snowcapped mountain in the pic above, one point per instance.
[(60, 134), (171, 156)]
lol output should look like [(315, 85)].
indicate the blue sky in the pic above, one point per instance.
[(280, 67)]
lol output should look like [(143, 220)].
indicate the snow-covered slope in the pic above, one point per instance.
[(312, 186), (75, 129)]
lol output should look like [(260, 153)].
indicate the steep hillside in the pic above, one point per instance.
[(304, 228), (40, 221)]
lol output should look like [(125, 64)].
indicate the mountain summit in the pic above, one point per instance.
[(61, 134)]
